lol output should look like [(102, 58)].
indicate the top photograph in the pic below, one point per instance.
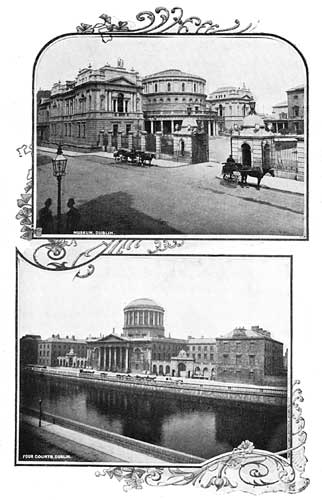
[(199, 136)]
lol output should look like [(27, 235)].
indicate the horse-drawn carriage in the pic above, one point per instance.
[(137, 157), (237, 172)]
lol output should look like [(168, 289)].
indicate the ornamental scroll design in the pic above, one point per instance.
[(25, 209), (162, 20), (244, 469), (65, 254)]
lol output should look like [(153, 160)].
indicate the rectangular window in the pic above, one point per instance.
[(238, 359), (84, 129), (78, 130), (251, 360), (211, 357), (128, 128)]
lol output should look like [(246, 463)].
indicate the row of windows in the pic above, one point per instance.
[(170, 87), (239, 358), (176, 99), (205, 348), (80, 130)]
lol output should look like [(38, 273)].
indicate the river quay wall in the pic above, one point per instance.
[(276, 396), (150, 451)]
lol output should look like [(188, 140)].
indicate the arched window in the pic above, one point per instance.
[(246, 155), (183, 87), (195, 87), (120, 103), (155, 87), (169, 87), (295, 111)]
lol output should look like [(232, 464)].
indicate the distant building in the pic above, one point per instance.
[(142, 347), (204, 353), (232, 104), (295, 103), (250, 356), (43, 116), (28, 353), (55, 347)]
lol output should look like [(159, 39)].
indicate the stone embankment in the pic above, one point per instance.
[(276, 396)]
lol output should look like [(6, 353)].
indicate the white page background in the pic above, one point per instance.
[(26, 28)]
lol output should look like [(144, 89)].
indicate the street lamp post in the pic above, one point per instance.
[(40, 413), (59, 170)]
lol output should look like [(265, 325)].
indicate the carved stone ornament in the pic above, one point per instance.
[(243, 469)]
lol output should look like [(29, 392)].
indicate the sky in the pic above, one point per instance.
[(202, 296), (268, 66)]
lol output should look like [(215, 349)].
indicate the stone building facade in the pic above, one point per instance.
[(51, 349), (250, 356), (96, 109), (28, 353), (203, 351), (232, 104), (141, 348), (166, 97), (296, 109), (257, 147)]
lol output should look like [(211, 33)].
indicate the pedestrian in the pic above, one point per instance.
[(45, 218), (72, 217)]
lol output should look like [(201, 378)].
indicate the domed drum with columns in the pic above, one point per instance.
[(143, 318)]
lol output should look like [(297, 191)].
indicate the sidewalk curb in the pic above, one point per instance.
[(273, 188)]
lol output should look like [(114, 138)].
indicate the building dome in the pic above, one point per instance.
[(143, 318), (144, 302)]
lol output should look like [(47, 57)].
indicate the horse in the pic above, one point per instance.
[(255, 172), (145, 158), (120, 154)]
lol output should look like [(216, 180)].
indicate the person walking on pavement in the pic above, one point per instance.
[(72, 217), (45, 218)]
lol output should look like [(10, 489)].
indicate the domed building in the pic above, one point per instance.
[(143, 318), (142, 347), (167, 95)]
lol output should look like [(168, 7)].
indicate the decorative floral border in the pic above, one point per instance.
[(243, 469), (162, 20)]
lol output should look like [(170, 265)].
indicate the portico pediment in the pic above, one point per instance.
[(110, 339), (121, 81)]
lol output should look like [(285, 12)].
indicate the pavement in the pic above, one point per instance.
[(103, 154), (81, 445), (119, 198), (268, 182)]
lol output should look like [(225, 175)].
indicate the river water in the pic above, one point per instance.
[(200, 427)]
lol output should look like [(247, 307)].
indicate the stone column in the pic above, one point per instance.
[(110, 101), (143, 140), (109, 359), (114, 358), (126, 359), (130, 140), (99, 359), (119, 140), (104, 358), (158, 144)]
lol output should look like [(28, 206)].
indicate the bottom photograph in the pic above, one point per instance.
[(153, 360)]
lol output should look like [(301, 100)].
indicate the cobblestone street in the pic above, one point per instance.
[(125, 199)]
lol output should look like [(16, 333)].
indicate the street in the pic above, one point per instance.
[(125, 199)]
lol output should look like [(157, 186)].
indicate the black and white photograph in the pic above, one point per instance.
[(153, 360), (170, 135)]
